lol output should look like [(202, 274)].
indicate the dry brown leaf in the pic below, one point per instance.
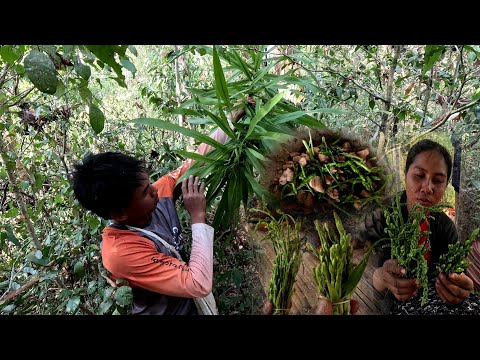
[(409, 89)]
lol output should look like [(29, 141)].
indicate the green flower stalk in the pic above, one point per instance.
[(454, 260), (335, 276), (404, 237)]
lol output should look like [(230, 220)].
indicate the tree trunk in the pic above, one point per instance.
[(467, 215), (178, 83), (388, 96), (385, 127)]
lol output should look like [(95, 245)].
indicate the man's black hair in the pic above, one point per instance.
[(429, 145), (105, 183)]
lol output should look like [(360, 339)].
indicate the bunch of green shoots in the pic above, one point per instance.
[(284, 233)]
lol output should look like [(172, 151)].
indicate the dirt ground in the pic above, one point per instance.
[(435, 305)]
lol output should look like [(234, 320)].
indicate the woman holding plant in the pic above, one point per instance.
[(427, 172)]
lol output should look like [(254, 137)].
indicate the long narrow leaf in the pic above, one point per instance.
[(195, 156), (254, 161), (264, 110), (241, 64), (221, 84), (257, 154), (256, 187), (185, 111), (221, 123), (173, 127), (357, 273), (257, 135)]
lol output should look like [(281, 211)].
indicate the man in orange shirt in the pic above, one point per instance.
[(117, 187)]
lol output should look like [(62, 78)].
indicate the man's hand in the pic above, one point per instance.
[(237, 114), (389, 276), (194, 199), (454, 288)]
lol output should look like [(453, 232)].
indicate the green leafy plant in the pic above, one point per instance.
[(230, 171)]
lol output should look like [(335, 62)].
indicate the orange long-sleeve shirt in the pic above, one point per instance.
[(162, 284)]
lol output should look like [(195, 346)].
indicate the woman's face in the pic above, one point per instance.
[(426, 179)]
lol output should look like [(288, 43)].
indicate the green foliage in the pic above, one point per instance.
[(44, 133), (124, 296), (41, 71), (230, 170), (97, 119), (235, 285)]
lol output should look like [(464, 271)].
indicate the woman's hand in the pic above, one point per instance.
[(389, 276), (454, 288), (194, 199)]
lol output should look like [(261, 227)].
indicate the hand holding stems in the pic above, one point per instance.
[(268, 308), (324, 307), (454, 288), (194, 198), (389, 276)]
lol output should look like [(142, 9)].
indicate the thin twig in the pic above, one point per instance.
[(21, 289), (23, 96), (44, 209), (375, 96)]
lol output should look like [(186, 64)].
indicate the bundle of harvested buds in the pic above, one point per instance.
[(284, 233), (324, 170), (404, 240), (454, 260), (335, 276)]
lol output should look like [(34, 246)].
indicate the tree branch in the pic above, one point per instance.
[(23, 96), (22, 288), (64, 151), (44, 209), (375, 96), (4, 74), (436, 126), (427, 96)]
